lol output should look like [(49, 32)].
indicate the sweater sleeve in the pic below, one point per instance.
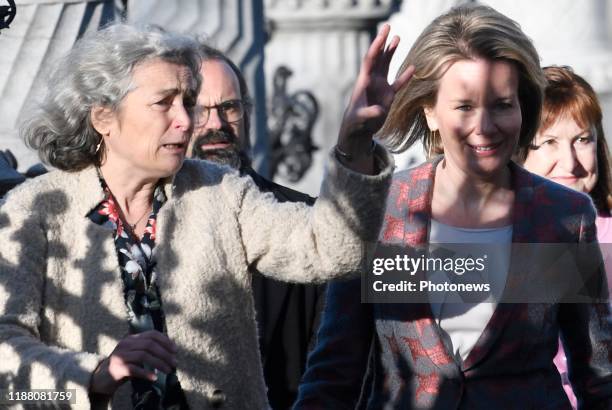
[(27, 362), (298, 243)]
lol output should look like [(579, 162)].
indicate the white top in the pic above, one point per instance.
[(460, 321)]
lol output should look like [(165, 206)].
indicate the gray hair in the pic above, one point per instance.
[(98, 72)]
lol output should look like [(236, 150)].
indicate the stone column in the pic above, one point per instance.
[(234, 26), (42, 32), (322, 43)]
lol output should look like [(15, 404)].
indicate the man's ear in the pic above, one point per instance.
[(102, 119), (432, 119)]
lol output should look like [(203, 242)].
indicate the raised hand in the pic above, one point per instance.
[(369, 104), (152, 348)]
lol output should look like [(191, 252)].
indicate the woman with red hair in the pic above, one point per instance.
[(570, 148)]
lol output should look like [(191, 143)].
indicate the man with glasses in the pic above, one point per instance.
[(287, 314)]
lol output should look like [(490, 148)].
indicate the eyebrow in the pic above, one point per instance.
[(468, 100), (580, 134), (167, 91)]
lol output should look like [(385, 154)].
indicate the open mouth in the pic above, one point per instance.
[(485, 148), (175, 146)]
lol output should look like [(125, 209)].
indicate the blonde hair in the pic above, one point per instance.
[(465, 32)]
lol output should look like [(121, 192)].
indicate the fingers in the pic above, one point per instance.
[(140, 373), (154, 354), (376, 48), (138, 357), (372, 94), (403, 78), (160, 338), (371, 112), (388, 53), (150, 348), (120, 370)]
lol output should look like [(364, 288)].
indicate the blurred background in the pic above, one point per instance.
[(300, 58)]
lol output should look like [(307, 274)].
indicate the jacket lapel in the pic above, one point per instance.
[(413, 196)]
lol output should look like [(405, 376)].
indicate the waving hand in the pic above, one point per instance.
[(369, 104)]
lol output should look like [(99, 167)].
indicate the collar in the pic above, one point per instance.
[(419, 194)]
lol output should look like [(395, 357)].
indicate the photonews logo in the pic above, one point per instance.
[(7, 14)]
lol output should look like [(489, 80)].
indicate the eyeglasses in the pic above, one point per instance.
[(229, 111)]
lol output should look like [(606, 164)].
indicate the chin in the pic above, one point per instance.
[(170, 169), (488, 168), (581, 187)]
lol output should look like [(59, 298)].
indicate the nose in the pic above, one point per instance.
[(183, 118), (484, 123), (215, 121), (566, 157)]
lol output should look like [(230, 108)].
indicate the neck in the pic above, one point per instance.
[(468, 187), (465, 200), (132, 194)]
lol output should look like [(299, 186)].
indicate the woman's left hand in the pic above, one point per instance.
[(370, 102)]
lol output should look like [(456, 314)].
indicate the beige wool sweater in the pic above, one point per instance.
[(62, 308)]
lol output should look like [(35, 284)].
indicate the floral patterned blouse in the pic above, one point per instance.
[(141, 294)]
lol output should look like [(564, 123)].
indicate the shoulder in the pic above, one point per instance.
[(549, 194), (422, 173), (220, 182), (57, 197), (195, 174), (553, 208), (48, 191), (413, 182), (200, 172), (282, 193)]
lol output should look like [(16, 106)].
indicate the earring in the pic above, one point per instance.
[(434, 146), (100, 143)]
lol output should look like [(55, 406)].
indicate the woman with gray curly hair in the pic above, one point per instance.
[(129, 263)]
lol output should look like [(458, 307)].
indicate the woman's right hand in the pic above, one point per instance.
[(152, 348)]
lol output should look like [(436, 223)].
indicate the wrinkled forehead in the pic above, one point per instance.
[(158, 74)]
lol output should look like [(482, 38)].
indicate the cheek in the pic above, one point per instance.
[(539, 163), (237, 129), (588, 160), (511, 123), (455, 129)]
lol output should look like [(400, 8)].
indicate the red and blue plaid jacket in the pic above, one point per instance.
[(393, 355)]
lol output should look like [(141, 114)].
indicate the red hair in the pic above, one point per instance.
[(568, 94)]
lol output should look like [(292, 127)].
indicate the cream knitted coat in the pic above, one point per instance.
[(61, 301)]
